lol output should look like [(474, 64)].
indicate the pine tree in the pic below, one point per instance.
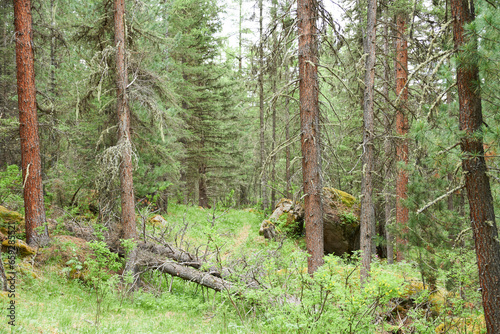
[(207, 108), (28, 120), (477, 183), (310, 133), (367, 220), (128, 224), (401, 128)]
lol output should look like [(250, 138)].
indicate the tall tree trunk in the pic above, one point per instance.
[(287, 149), (263, 178), (274, 78), (28, 125), (309, 126), (402, 127), (388, 205), (477, 183), (128, 225), (449, 101), (53, 62), (367, 209)]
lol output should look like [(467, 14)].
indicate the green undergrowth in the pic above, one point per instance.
[(49, 300)]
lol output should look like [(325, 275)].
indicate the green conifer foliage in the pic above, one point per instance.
[(206, 99)]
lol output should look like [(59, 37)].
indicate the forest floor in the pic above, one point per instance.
[(54, 296)]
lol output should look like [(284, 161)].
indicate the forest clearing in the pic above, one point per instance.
[(188, 166), (55, 291)]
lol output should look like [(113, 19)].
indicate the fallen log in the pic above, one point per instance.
[(184, 258), (151, 261)]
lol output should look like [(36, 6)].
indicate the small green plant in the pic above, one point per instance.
[(74, 267), (286, 226), (348, 218), (10, 184), (102, 277)]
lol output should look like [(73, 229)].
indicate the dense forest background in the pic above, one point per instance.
[(195, 100), (215, 113)]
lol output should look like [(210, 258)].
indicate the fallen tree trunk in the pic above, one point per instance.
[(151, 261), (184, 258)]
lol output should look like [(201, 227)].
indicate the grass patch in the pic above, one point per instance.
[(290, 301)]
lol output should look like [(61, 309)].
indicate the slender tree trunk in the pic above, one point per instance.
[(240, 37), (263, 179), (309, 127), (367, 209), (287, 150), (53, 63), (28, 125), (449, 101), (128, 225), (274, 72), (402, 127), (477, 183), (388, 205), (202, 186)]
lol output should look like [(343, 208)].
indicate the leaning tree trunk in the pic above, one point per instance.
[(367, 218), (28, 125), (128, 225), (310, 135), (402, 127), (482, 213)]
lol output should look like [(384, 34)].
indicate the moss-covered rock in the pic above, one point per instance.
[(10, 218), (473, 324), (4, 296), (286, 218), (157, 221), (337, 196), (340, 221), (22, 248)]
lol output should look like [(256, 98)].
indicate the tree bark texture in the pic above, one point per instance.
[(474, 167), (128, 225), (28, 124), (263, 178), (367, 218), (177, 262), (402, 127), (388, 205), (310, 135), (184, 258), (288, 176), (173, 268)]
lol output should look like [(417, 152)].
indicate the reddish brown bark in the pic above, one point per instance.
[(310, 136), (402, 127), (477, 183), (389, 204), (367, 217), (28, 124), (128, 226)]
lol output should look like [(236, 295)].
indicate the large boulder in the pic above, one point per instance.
[(340, 221)]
